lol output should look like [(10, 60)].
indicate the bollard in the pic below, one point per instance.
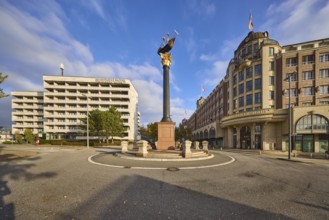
[(142, 148), (205, 146), (124, 146), (187, 153)]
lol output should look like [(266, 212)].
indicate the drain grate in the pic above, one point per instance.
[(172, 169)]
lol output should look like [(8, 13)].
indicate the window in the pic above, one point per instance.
[(271, 80), (249, 99), (309, 59), (293, 77), (324, 73), (249, 49), (291, 62), (293, 92), (258, 128), (271, 51), (243, 52), (307, 91), (258, 97), (241, 89), (307, 75), (258, 69), (249, 72), (324, 102), (235, 91), (324, 57), (258, 84), (312, 122), (241, 76), (324, 90), (271, 95), (271, 65), (249, 86), (234, 80), (241, 101), (255, 47)]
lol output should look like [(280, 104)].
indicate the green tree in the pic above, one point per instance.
[(182, 132), (143, 131), (29, 136), (96, 123), (113, 123), (152, 131), (2, 78), (18, 137)]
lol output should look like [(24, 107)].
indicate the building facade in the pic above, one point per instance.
[(58, 110), (249, 108)]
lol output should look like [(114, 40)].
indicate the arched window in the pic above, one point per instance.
[(201, 135), (212, 132), (312, 122), (206, 136)]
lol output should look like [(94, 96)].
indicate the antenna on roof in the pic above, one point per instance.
[(61, 66)]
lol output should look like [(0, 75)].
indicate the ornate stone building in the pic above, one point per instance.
[(249, 108)]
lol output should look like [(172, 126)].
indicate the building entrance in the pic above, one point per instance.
[(245, 138)]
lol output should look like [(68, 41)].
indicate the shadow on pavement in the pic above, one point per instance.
[(9, 169), (138, 197)]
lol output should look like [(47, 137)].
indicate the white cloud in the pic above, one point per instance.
[(297, 21), (33, 46)]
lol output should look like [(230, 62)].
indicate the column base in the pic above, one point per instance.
[(166, 136)]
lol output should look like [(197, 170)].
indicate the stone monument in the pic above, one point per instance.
[(166, 128)]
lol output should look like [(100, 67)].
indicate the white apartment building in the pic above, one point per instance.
[(67, 99), (27, 111)]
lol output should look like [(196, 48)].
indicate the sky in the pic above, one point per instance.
[(120, 39)]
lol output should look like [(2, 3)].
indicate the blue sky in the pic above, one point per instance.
[(119, 39)]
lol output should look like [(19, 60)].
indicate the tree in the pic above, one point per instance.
[(182, 132), (152, 131), (18, 137), (2, 78), (105, 123), (96, 122), (113, 123), (143, 131), (29, 136)]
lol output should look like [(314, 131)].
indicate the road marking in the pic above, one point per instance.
[(160, 168)]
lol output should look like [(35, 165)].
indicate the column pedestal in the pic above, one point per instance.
[(166, 136)]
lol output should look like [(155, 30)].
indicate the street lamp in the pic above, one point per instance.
[(61, 66), (87, 121), (289, 114)]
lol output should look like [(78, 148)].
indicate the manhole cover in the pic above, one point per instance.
[(127, 167), (172, 169)]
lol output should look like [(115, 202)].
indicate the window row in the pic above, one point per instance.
[(308, 91), (308, 59), (249, 100), (248, 73), (307, 75)]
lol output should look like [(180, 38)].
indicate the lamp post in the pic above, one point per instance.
[(289, 115), (87, 121), (61, 66)]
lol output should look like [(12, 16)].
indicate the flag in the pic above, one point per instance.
[(250, 24), (202, 89)]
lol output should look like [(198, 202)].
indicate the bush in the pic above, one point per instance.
[(44, 141)]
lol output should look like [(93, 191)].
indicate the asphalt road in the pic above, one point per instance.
[(63, 184)]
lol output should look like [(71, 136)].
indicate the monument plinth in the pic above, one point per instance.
[(166, 128)]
